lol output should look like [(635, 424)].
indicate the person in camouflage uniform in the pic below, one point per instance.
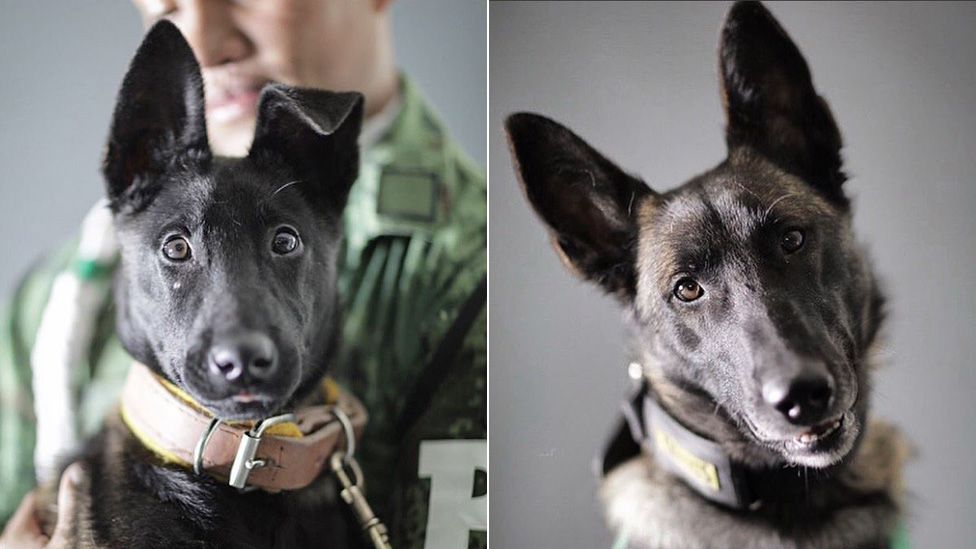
[(413, 282)]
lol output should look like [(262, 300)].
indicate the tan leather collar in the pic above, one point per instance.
[(171, 424)]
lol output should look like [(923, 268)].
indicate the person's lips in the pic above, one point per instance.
[(229, 106)]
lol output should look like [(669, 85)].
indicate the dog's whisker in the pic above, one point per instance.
[(285, 186), (592, 179), (773, 205), (744, 188)]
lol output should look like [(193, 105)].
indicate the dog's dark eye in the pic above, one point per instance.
[(688, 289), (792, 240), (177, 249), (285, 241)]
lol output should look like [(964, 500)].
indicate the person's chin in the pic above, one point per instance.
[(231, 137)]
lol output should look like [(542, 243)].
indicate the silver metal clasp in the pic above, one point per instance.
[(352, 486), (244, 461)]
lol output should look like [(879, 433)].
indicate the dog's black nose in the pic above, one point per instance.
[(246, 356), (804, 399)]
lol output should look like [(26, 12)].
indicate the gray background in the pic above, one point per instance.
[(61, 64), (639, 82)]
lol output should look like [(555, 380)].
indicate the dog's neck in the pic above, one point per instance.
[(659, 508), (716, 462), (859, 506)]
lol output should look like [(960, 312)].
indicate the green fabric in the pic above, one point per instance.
[(405, 270), (900, 539), (87, 269)]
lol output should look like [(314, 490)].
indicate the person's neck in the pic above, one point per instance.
[(382, 86)]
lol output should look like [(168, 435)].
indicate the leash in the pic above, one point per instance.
[(354, 486)]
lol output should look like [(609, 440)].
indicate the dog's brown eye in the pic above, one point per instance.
[(285, 241), (792, 240), (177, 249), (688, 289)]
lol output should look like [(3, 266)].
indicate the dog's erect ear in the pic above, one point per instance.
[(771, 104), (159, 118), (589, 204), (314, 132)]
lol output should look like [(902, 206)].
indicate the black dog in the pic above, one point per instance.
[(754, 313), (227, 289)]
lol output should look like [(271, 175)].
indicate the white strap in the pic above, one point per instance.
[(63, 340)]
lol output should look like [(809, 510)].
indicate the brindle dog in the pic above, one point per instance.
[(226, 288), (754, 310)]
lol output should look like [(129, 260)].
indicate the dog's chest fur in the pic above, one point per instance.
[(132, 501), (857, 508)]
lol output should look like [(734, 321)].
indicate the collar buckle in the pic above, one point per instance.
[(244, 461)]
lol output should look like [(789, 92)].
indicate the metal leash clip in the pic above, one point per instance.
[(344, 463)]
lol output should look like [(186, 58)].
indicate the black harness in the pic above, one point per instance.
[(699, 462)]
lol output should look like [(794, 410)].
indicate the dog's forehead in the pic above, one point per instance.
[(710, 217), (231, 194), (709, 210), (234, 184)]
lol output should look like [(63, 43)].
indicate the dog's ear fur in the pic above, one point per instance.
[(771, 104), (159, 118), (315, 133), (588, 203)]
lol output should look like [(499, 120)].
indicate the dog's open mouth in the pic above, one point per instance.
[(819, 446), (245, 405), (819, 432), (247, 397), (824, 444)]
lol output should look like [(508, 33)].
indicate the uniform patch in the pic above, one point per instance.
[(407, 194)]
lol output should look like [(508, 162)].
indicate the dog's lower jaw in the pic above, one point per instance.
[(856, 506), (847, 435)]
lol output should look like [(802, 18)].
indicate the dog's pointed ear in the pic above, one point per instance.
[(589, 204), (159, 117), (314, 133), (771, 104)]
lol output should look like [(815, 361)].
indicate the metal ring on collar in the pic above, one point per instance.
[(202, 445), (349, 432)]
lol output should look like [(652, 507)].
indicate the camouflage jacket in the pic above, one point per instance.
[(414, 349)]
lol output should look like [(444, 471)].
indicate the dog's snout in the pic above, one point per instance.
[(249, 356), (803, 399)]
